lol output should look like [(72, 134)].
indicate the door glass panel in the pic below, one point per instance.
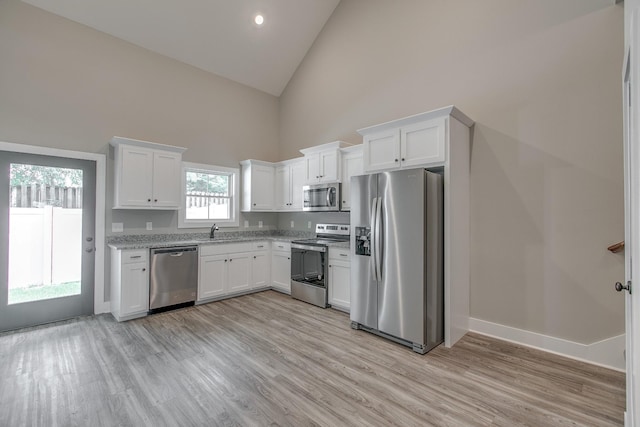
[(45, 232)]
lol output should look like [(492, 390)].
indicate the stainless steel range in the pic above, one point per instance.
[(310, 263)]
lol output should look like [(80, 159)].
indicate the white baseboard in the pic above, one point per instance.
[(608, 353)]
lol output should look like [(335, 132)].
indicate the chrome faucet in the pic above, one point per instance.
[(214, 228)]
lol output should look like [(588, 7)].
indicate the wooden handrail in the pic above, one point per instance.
[(615, 248)]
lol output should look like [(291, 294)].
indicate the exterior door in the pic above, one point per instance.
[(631, 86), (47, 225)]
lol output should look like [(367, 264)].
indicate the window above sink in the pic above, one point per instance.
[(210, 194)]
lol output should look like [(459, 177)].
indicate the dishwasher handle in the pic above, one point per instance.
[(178, 251)]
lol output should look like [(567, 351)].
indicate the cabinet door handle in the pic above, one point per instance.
[(155, 200), (254, 204), (148, 200), (230, 259), (343, 255), (144, 269), (136, 256), (225, 260), (288, 258), (261, 246), (395, 160), (402, 159), (254, 257)]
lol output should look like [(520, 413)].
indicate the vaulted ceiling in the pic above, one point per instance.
[(219, 36)]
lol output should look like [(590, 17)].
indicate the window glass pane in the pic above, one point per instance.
[(219, 208), (197, 207), (219, 185), (45, 233)]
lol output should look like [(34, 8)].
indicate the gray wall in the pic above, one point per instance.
[(542, 81), (67, 86)]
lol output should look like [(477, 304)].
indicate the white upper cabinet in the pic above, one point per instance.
[(289, 178), (422, 143), (351, 166), (381, 150), (147, 175), (416, 143), (258, 186), (322, 162)]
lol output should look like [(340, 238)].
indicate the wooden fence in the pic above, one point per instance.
[(38, 195), (197, 199)]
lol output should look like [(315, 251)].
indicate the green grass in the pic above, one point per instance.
[(36, 293)]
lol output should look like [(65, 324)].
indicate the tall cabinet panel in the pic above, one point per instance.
[(258, 186), (351, 166), (438, 140)]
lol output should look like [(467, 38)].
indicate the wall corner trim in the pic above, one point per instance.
[(608, 353)]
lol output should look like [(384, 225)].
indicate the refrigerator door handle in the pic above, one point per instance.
[(374, 205), (379, 240)]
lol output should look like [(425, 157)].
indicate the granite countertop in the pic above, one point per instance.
[(152, 241)]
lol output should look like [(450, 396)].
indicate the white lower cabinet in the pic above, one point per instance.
[(261, 266), (129, 283), (230, 269), (281, 266), (212, 276), (339, 279)]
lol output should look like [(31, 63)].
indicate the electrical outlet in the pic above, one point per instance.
[(117, 227), (293, 224), (246, 224), (259, 224), (309, 224), (149, 225)]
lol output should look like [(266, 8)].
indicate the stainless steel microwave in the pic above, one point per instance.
[(321, 197)]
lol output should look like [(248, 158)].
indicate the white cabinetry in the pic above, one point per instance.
[(290, 177), (339, 278), (322, 162), (438, 139), (261, 265), (258, 179), (129, 283), (420, 144), (351, 166), (281, 266), (147, 175), (223, 269)]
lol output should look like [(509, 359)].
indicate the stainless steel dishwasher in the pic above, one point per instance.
[(174, 276)]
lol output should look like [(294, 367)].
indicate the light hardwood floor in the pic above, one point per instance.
[(265, 359)]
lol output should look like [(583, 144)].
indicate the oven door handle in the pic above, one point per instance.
[(308, 247)]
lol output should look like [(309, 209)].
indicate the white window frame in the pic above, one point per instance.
[(234, 221)]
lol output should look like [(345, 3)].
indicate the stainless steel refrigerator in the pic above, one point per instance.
[(397, 260)]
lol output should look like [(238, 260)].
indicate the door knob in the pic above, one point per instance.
[(620, 287)]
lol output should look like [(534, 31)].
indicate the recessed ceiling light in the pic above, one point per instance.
[(259, 19)]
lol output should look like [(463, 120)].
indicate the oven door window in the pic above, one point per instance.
[(308, 267)]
